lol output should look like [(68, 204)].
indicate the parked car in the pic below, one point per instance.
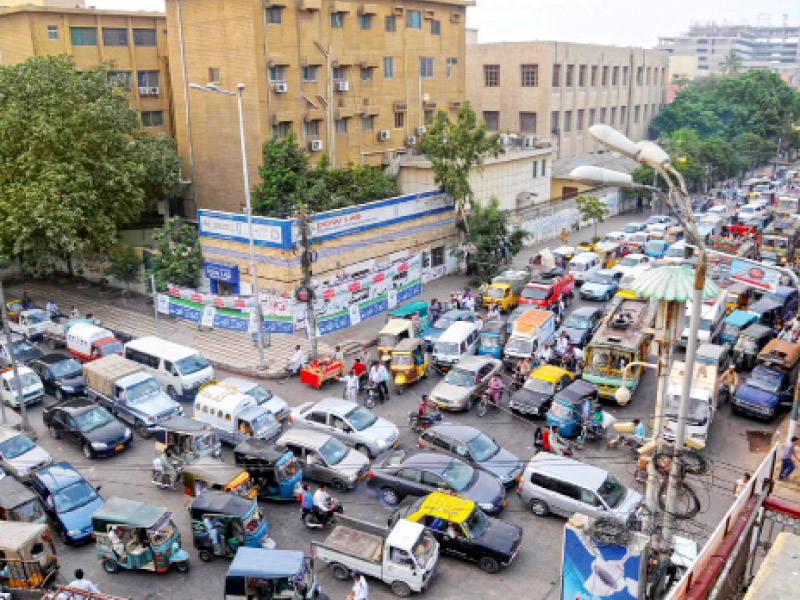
[(464, 383), (92, 427), (655, 220), (419, 473), (355, 425), (69, 500), (19, 455), (474, 447), (581, 325), (24, 350), (600, 285), (61, 375), (631, 261)]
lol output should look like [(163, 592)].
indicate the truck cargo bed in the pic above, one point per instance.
[(101, 374)]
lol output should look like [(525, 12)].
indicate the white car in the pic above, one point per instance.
[(657, 220), (749, 211), (629, 262), (32, 387), (264, 397), (19, 455), (720, 210), (614, 236)]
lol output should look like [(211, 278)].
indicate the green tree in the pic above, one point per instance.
[(495, 245), (732, 64), (124, 265), (284, 173), (753, 148), (592, 208), (76, 164), (180, 259), (455, 149)]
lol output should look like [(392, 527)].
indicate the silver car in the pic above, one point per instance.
[(559, 485), (355, 425), (464, 383), (324, 458), (19, 455), (274, 404)]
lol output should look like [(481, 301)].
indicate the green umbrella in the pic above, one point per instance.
[(671, 283)]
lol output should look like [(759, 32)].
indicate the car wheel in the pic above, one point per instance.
[(470, 403), (172, 393), (87, 451), (539, 508), (142, 430), (489, 565), (390, 496), (401, 588), (340, 572), (337, 485), (182, 566), (204, 555), (110, 566), (364, 450), (59, 394), (53, 432)]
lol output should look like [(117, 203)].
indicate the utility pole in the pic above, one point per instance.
[(26, 426), (155, 299), (305, 262)]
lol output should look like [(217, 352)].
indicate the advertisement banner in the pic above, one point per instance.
[(268, 233), (758, 276), (209, 315)]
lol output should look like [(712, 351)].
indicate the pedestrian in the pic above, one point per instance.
[(479, 322), (52, 309), (787, 454), (469, 302), (297, 361), (415, 324), (435, 310), (360, 589), (351, 386), (740, 484), (80, 583), (376, 379), (383, 386), (730, 381), (365, 356), (338, 355), (639, 204), (306, 501), (494, 312), (564, 236), (74, 313), (26, 301)]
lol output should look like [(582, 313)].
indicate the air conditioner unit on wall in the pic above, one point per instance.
[(342, 86), (384, 135), (421, 130), (411, 140), (315, 145), (281, 87)]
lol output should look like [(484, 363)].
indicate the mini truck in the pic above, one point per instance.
[(702, 401), (534, 328), (546, 288), (405, 556), (31, 323), (505, 289), (127, 391)]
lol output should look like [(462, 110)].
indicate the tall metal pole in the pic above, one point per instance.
[(155, 299), (26, 426), (249, 210), (305, 262)]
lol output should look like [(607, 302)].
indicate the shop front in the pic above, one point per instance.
[(224, 278)]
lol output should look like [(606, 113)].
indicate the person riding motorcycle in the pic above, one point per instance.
[(495, 389)]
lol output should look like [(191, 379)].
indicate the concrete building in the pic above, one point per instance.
[(354, 80), (760, 46), (557, 90), (134, 41)]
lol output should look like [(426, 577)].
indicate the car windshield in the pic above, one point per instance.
[(534, 293), (491, 341), (540, 386), (16, 446), (494, 292), (333, 451), (264, 422), (476, 523), (764, 380), (260, 394), (37, 317), (191, 364), (97, 417), (577, 322), (628, 262), (360, 418), (482, 448), (601, 278), (446, 348), (111, 348), (631, 228), (22, 347), (423, 549), (66, 368), (26, 379), (519, 346), (612, 491), (443, 323), (460, 377), (141, 390), (73, 496), (458, 475)]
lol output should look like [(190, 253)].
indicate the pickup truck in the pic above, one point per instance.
[(703, 401), (31, 323), (545, 289), (83, 338), (128, 392), (405, 556)]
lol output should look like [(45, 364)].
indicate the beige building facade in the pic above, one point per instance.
[(353, 80), (134, 42), (557, 90)]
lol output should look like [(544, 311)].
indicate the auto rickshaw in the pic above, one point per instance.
[(672, 235), (133, 535), (18, 503), (738, 296), (28, 556), (211, 473), (749, 344), (222, 523), (179, 442), (584, 246), (276, 574), (571, 406), (734, 324), (409, 363), (392, 333), (13, 308), (610, 253), (407, 311), (769, 311), (274, 470), (564, 254), (493, 338)]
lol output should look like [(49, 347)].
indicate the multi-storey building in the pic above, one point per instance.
[(134, 42), (557, 90), (353, 80)]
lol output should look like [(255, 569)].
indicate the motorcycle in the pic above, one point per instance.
[(485, 401), (372, 396), (517, 381), (419, 423), (314, 520)]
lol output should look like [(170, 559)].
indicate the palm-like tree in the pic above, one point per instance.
[(731, 64)]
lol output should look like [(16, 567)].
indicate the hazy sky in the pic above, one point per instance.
[(620, 22)]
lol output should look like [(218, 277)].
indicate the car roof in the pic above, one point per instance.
[(243, 385), (455, 313), (604, 272), (52, 359), (457, 331), (446, 506), (462, 433), (473, 362), (335, 405), (306, 437), (494, 326), (58, 476), (584, 257), (586, 311), (427, 461), (76, 405), (548, 372), (568, 469)]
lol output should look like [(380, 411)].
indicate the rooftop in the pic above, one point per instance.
[(562, 167)]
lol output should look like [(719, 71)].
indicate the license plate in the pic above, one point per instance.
[(504, 503), (119, 448), (394, 444)]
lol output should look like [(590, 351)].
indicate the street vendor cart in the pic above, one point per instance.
[(320, 371)]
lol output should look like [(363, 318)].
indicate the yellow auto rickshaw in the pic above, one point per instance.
[(409, 363), (208, 473), (585, 246), (392, 334), (609, 252), (28, 555), (738, 296)]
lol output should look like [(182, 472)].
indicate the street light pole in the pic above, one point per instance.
[(26, 426)]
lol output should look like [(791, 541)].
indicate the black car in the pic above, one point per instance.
[(83, 422), (24, 351), (477, 537), (581, 324), (61, 375), (420, 473)]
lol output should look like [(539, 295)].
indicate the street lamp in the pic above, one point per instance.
[(211, 87)]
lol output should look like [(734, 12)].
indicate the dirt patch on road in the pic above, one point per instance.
[(759, 441)]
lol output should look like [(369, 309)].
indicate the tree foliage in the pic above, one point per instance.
[(732, 64), (75, 163), (180, 258), (494, 244), (287, 179), (123, 266), (592, 209)]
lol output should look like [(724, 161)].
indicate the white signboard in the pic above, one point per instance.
[(208, 316), (163, 304)]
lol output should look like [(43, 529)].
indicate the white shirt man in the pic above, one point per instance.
[(297, 361), (375, 376), (384, 372), (351, 386), (562, 346), (545, 354), (360, 589), (493, 313), (80, 583), (321, 499), (469, 302), (479, 323)]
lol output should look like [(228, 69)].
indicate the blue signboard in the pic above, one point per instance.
[(218, 272), (182, 309)]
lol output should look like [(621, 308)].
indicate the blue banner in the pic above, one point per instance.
[(226, 273), (182, 309)]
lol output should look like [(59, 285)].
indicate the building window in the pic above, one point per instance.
[(337, 20), (603, 115), (591, 117), (281, 130), (152, 118), (529, 75), (120, 79), (623, 115), (554, 116), (544, 167), (436, 27), (213, 75), (605, 76), (274, 15), (527, 122), (413, 19), (535, 169), (579, 120), (340, 125), (639, 71), (366, 73), (582, 76), (624, 75), (310, 73), (636, 110), (368, 123), (452, 63), (570, 76), (567, 121), (492, 119), (83, 36), (339, 73), (556, 76), (365, 21), (593, 80), (613, 119), (390, 23), (491, 75), (52, 33), (615, 76), (425, 67), (647, 76), (144, 37), (388, 67), (663, 76), (428, 117), (310, 128), (148, 79), (115, 37), (437, 256), (277, 74), (399, 120)]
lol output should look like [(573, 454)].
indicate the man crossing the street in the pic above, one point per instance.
[(787, 454)]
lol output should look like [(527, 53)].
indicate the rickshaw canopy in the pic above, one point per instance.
[(395, 327), (122, 511), (264, 563), (448, 507), (756, 331), (740, 318), (222, 503), (405, 311), (213, 470), (264, 450), (180, 424), (408, 345), (494, 327), (576, 392), (13, 494), (15, 535)]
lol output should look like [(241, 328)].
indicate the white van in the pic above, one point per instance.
[(235, 417), (583, 265), (458, 340), (180, 370), (712, 318)]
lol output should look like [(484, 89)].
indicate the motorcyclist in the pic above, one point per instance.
[(596, 420), (495, 389), (562, 345), (322, 504)]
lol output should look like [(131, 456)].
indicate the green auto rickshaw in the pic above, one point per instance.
[(749, 343), (223, 522), (274, 574)]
